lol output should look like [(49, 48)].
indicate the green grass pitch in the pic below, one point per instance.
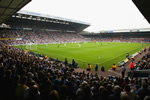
[(101, 53)]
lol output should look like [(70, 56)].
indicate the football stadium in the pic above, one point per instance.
[(46, 57)]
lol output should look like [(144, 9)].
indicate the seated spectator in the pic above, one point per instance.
[(87, 94), (54, 80), (116, 95), (34, 93), (143, 91), (66, 61), (22, 89), (54, 95), (114, 67), (128, 92), (139, 52), (132, 58), (147, 98), (124, 97)]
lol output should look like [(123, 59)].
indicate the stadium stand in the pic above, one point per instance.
[(16, 37), (46, 80), (29, 76), (141, 68)]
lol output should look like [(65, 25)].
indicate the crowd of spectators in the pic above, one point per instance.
[(27, 77), (38, 37), (132, 40), (144, 63), (24, 76)]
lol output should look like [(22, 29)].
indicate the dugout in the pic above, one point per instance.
[(145, 73)]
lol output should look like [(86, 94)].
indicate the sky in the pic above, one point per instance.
[(101, 14)]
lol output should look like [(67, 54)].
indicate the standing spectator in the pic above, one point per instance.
[(123, 69), (131, 65)]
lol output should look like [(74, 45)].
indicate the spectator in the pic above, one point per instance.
[(131, 66), (114, 67), (123, 69), (128, 93), (87, 94), (66, 61), (147, 98), (57, 82), (34, 93), (73, 63), (143, 91), (116, 95), (22, 89), (96, 67), (89, 67), (124, 97), (54, 95), (102, 69)]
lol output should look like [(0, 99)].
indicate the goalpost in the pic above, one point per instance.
[(31, 46)]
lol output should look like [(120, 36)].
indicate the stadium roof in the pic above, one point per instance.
[(126, 30), (10, 7), (120, 31), (144, 8), (40, 16), (76, 25)]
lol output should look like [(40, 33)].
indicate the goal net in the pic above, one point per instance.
[(31, 46)]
